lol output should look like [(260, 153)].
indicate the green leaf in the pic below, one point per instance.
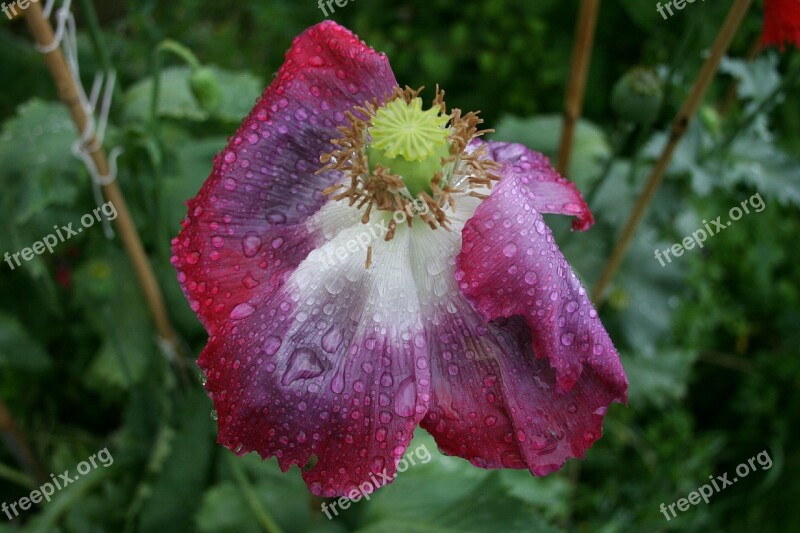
[(177, 489), (35, 155), (543, 134), (18, 348), (116, 309), (223, 510), (446, 494), (757, 78), (194, 160), (658, 380), (239, 92)]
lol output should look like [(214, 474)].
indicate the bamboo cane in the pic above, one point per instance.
[(579, 71), (688, 109), (67, 88)]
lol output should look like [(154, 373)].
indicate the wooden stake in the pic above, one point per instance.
[(67, 88), (693, 100), (579, 72)]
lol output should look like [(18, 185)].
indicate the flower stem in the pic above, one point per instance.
[(267, 523), (176, 48), (625, 132), (579, 70), (688, 109), (733, 90), (19, 445)]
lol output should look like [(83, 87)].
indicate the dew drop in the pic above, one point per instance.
[(337, 384), (251, 244), (405, 401), (272, 344), (332, 339), (303, 364), (242, 311)]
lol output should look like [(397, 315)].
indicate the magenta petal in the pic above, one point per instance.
[(552, 193), (330, 370), (510, 266), (244, 230)]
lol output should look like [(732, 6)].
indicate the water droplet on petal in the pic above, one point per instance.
[(251, 244), (272, 344), (332, 339), (406, 399), (337, 384), (303, 364), (242, 311)]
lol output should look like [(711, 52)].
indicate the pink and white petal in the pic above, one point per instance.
[(552, 192), (510, 265), (493, 402), (244, 228), (332, 367)]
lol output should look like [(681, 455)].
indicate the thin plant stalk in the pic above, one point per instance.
[(18, 444), (680, 124), (263, 517), (766, 105), (733, 90), (579, 71)]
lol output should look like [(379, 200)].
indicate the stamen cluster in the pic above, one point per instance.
[(373, 184)]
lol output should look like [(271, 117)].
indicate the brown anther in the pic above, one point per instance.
[(390, 233), (365, 188), (369, 258), (478, 195), (332, 189)]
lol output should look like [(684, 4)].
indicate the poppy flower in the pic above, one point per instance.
[(781, 23), (364, 266)]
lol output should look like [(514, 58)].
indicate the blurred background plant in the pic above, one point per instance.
[(709, 341)]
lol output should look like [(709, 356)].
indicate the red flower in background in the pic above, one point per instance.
[(469, 323), (781, 23)]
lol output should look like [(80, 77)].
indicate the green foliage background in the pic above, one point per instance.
[(709, 341)]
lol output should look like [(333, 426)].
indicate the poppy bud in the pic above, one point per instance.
[(637, 96), (205, 88)]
